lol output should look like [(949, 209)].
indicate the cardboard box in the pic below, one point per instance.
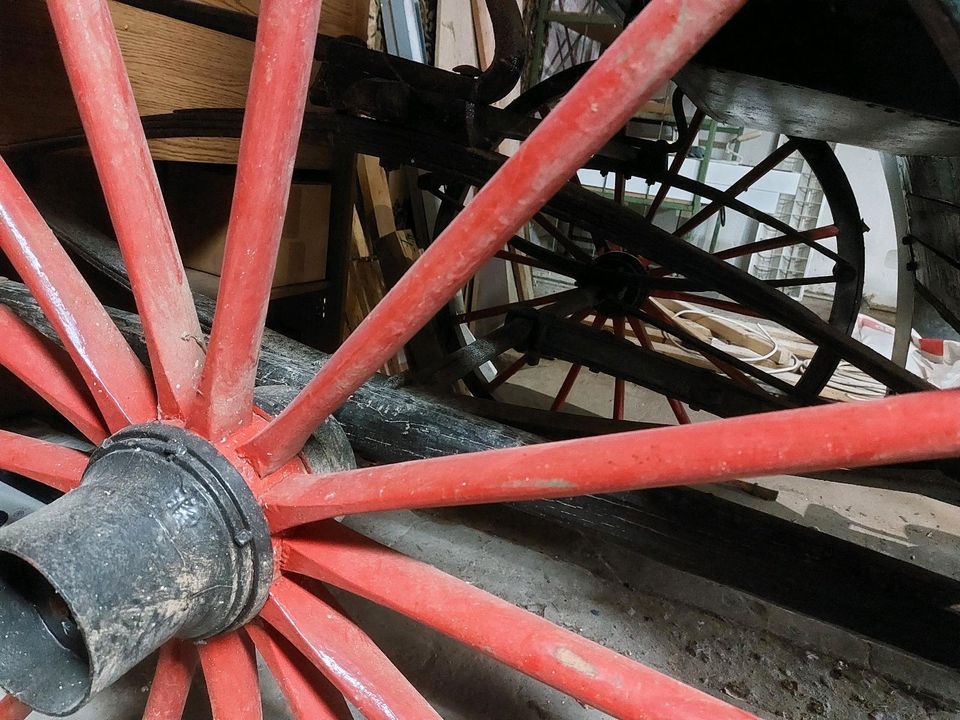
[(199, 197)]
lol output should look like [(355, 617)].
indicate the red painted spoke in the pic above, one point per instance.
[(58, 467), (119, 383), (645, 55), (749, 178), (507, 307), (581, 668), (171, 681), (309, 694), (344, 654), (49, 372), (521, 259), (774, 243), (786, 442), (727, 305), (505, 375), (110, 119), (564, 392), (13, 709), (679, 411), (230, 671), (619, 387), (693, 131), (286, 35)]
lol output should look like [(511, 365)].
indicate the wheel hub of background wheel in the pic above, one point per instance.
[(631, 292), (163, 538)]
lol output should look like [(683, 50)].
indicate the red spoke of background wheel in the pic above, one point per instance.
[(647, 53), (508, 373), (47, 370), (58, 467), (579, 667), (344, 654), (230, 670), (679, 411), (781, 241), (112, 125), (748, 179), (693, 132), (13, 709), (309, 694), (171, 681), (120, 385), (619, 387), (286, 35), (919, 426), (521, 259), (564, 392), (727, 305), (507, 307)]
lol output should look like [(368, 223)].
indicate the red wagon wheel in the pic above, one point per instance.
[(195, 523)]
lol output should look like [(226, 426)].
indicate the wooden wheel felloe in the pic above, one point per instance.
[(191, 422)]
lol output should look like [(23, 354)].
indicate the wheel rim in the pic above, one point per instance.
[(319, 656)]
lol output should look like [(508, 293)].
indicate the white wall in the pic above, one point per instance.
[(866, 177)]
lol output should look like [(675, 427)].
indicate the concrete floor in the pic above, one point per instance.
[(755, 655)]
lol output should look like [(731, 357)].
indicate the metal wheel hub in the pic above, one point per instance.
[(163, 538), (631, 292)]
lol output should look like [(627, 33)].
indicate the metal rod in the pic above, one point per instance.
[(104, 98), (286, 34)]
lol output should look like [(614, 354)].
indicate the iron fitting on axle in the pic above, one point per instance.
[(162, 539)]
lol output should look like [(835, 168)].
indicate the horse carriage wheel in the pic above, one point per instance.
[(205, 528), (619, 290)]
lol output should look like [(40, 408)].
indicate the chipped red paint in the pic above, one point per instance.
[(47, 370), (344, 654), (104, 97), (230, 670), (172, 679), (54, 465), (644, 57), (120, 385), (897, 429), (286, 34), (13, 709), (579, 667), (309, 694)]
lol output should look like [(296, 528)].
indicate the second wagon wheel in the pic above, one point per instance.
[(584, 276)]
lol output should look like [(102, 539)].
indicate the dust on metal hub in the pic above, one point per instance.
[(162, 539)]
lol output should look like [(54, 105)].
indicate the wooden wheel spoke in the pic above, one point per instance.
[(807, 237), (588, 672), (507, 307), (565, 242), (105, 101), (116, 378), (619, 387), (679, 411), (744, 183), (626, 75), (310, 695), (55, 466), (230, 671), (727, 305), (564, 392), (521, 259), (286, 35), (172, 679), (693, 130), (344, 654), (47, 370)]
